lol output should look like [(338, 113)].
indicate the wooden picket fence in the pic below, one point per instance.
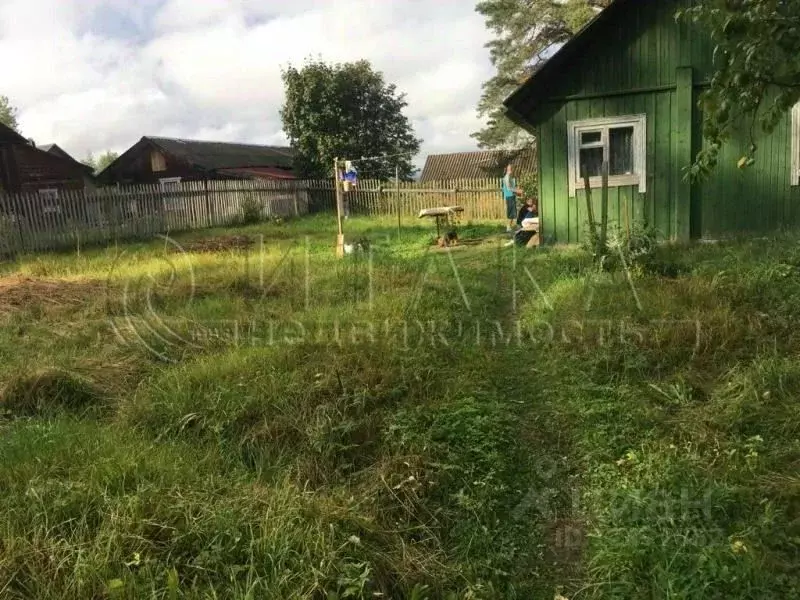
[(34, 222), (480, 198)]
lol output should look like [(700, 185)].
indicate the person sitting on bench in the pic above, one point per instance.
[(528, 214), (528, 223)]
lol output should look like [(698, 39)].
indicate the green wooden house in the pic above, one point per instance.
[(625, 90)]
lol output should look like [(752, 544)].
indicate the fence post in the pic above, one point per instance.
[(337, 187), (10, 209), (397, 195)]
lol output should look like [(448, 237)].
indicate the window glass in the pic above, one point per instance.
[(591, 137), (620, 145), (591, 162)]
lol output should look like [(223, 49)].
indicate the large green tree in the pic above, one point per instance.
[(8, 114), (757, 70), (346, 111), (525, 31)]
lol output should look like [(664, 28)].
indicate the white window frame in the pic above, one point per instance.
[(795, 159), (49, 195), (604, 124), (164, 182)]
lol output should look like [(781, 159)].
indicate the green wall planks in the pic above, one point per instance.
[(647, 63)]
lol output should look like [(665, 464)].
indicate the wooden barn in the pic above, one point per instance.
[(162, 160), (24, 168), (482, 164), (57, 150), (625, 91)]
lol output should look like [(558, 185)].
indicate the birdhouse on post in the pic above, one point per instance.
[(349, 176)]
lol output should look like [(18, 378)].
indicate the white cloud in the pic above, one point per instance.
[(98, 74)]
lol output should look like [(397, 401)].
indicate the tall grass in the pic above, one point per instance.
[(277, 423)]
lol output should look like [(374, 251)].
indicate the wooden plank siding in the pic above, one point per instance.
[(644, 62), (143, 211), (565, 218)]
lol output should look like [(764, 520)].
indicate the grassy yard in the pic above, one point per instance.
[(273, 423)]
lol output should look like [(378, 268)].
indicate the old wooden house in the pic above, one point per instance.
[(24, 168), (56, 150), (482, 164), (167, 161), (625, 91)]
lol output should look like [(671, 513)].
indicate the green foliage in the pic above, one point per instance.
[(8, 114), (105, 159), (525, 31), (757, 77), (346, 111), (251, 209), (101, 162), (529, 182), (630, 248)]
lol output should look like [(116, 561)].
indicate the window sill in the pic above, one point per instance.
[(613, 181)]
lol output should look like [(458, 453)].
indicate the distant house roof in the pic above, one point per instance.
[(250, 160), (56, 150), (476, 165), (258, 173), (213, 156), (527, 98), (9, 135)]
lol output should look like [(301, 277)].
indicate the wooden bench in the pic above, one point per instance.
[(537, 236)]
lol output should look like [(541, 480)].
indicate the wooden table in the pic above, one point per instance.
[(438, 213)]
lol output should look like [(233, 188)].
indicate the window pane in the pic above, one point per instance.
[(620, 143), (591, 137), (591, 162)]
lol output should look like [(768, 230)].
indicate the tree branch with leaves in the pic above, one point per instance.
[(8, 114), (525, 32), (757, 71)]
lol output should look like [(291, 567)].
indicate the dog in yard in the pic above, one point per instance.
[(448, 239)]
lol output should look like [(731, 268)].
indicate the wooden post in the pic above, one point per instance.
[(397, 195), (294, 198), (338, 191), (604, 208), (14, 207), (211, 220), (589, 207)]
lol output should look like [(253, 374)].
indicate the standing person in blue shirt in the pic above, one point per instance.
[(510, 192)]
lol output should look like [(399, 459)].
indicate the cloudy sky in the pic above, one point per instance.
[(96, 75)]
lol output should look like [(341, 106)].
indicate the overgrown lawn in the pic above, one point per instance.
[(271, 422)]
